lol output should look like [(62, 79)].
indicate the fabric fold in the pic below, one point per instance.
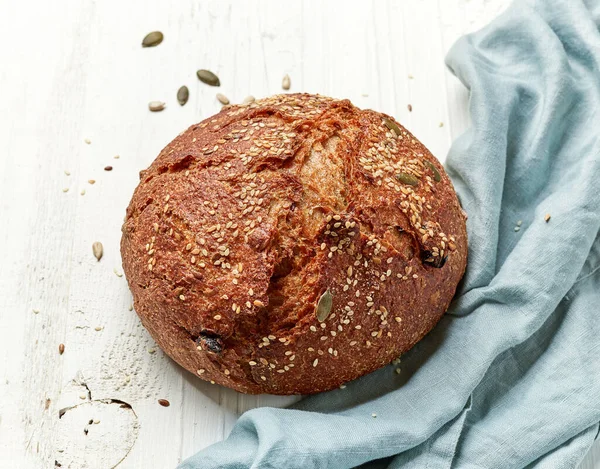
[(508, 378)]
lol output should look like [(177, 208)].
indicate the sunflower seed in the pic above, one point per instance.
[(324, 306), (390, 124), (208, 77), (406, 178), (98, 250), (152, 39), (156, 106), (183, 95), (248, 100), (436, 173), (223, 99), (286, 83)]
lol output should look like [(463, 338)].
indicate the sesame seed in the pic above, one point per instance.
[(182, 297), (252, 363), (201, 371), (258, 303), (316, 362), (217, 317), (547, 217)]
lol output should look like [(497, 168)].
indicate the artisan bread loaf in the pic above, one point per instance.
[(293, 244)]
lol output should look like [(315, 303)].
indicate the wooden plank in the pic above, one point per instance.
[(79, 73)]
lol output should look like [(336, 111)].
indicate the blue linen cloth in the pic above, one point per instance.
[(510, 377)]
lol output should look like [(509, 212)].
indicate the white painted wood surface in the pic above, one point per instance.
[(73, 70)]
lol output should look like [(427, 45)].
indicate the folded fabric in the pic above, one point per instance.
[(511, 376)]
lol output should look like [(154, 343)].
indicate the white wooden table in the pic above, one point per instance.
[(74, 70)]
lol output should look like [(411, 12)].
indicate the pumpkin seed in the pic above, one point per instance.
[(223, 99), (183, 95), (286, 83), (406, 178), (248, 100), (324, 306), (153, 39), (434, 170), (156, 106), (390, 124), (98, 250), (208, 77)]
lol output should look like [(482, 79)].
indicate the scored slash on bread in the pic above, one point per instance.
[(252, 223)]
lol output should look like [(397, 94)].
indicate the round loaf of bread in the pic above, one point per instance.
[(293, 244)]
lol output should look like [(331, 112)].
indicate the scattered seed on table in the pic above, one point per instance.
[(152, 39), (82, 192), (441, 124), (164, 402), (248, 99), (208, 77), (98, 328), (67, 172), (61, 348), (519, 223), (286, 83), (410, 108), (222, 99), (398, 371), (183, 94), (66, 189), (156, 106), (108, 168), (36, 311), (130, 307), (410, 77), (91, 181), (547, 217), (116, 157), (88, 141), (374, 415), (151, 351), (517, 228), (96, 421), (117, 273), (82, 396), (98, 250)]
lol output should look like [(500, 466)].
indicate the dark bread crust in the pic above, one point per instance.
[(246, 219)]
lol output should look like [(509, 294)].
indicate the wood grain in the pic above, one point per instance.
[(75, 70)]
